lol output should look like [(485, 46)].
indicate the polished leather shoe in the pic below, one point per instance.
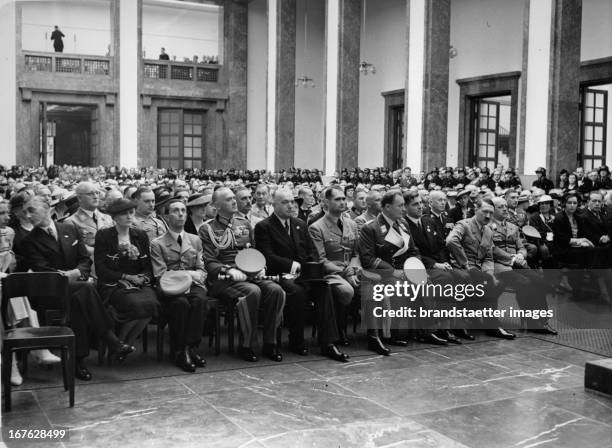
[(500, 333), (196, 359), (82, 373), (271, 352), (463, 334), (121, 350), (247, 354), (450, 337), (396, 342), (184, 362), (376, 345), (431, 338), (299, 349), (545, 329), (332, 352)]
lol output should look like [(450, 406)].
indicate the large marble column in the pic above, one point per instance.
[(8, 79), (234, 153), (343, 26), (564, 136), (426, 102), (284, 153), (551, 85), (129, 60)]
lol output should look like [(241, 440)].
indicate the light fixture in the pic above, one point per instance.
[(452, 52), (364, 66), (305, 81)]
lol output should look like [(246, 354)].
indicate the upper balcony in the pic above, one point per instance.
[(181, 71), (67, 63)]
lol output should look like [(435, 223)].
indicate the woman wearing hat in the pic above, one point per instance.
[(123, 265), (200, 210)]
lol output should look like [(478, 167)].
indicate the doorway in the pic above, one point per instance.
[(490, 131), (68, 134)]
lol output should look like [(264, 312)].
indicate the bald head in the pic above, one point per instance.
[(373, 199), (437, 201), (225, 202)]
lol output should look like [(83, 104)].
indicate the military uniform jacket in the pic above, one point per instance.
[(152, 226), (86, 225), (443, 224), (214, 231), (471, 245), (336, 248), (508, 243), (377, 253), (167, 255)]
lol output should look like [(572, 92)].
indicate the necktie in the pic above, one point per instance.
[(287, 227), (419, 225), (340, 226), (179, 240), (95, 219)]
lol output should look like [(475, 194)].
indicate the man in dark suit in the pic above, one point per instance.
[(285, 243), (58, 247), (594, 227), (429, 235)]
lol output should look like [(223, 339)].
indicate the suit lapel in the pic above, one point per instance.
[(47, 240), (280, 229)]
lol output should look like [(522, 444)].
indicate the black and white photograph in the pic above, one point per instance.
[(306, 223)]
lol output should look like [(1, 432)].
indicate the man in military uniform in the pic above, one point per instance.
[(178, 250), (471, 244), (145, 218), (335, 238), (511, 268), (222, 238), (385, 244), (88, 219), (373, 199), (440, 220)]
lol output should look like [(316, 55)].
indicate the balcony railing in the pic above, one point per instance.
[(182, 71), (60, 63)]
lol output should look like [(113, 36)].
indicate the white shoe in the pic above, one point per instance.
[(16, 379), (45, 357)]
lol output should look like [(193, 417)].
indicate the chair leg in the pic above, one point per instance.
[(145, 339), (7, 364), (217, 332), (229, 316), (24, 362), (70, 356), (160, 343), (65, 368)]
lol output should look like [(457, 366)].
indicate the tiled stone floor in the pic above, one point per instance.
[(489, 393)]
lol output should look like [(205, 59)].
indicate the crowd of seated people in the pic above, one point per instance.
[(130, 240)]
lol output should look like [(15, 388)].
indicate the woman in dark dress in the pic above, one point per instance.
[(123, 265)]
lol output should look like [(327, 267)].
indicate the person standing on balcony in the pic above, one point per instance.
[(56, 37), (163, 55)]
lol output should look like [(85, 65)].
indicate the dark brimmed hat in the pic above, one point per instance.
[(199, 199), (119, 206)]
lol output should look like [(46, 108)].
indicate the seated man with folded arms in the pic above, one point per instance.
[(222, 238), (178, 250), (58, 247), (511, 268), (284, 241), (471, 244)]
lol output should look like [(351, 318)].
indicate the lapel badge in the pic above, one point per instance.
[(383, 229), (66, 236), (429, 229)]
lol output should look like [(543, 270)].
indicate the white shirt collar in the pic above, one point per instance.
[(176, 235)]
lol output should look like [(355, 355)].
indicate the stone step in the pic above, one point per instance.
[(598, 376)]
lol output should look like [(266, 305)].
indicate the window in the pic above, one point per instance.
[(594, 124), (180, 138), (490, 134)]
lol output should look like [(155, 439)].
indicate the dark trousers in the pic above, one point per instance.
[(491, 293), (325, 315), (186, 316), (264, 294), (87, 315)]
